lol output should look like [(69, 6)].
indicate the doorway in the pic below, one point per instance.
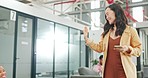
[(23, 46)]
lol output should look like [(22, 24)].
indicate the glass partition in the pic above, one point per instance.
[(61, 51), (7, 28), (74, 51), (44, 48), (144, 39), (24, 46), (57, 47)]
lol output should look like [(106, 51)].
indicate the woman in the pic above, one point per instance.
[(118, 42), (98, 67)]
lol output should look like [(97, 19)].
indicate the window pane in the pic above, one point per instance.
[(61, 51), (138, 13), (44, 48), (7, 27), (24, 49), (74, 52)]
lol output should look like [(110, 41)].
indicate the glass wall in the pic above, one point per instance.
[(52, 46), (44, 49), (7, 28), (144, 39), (83, 52), (24, 46), (74, 51), (57, 49), (61, 51)]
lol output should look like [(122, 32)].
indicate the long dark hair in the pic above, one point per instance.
[(120, 21)]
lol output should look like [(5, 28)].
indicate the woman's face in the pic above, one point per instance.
[(110, 15)]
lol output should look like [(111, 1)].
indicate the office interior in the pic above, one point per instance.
[(38, 41)]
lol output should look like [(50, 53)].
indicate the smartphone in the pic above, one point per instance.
[(117, 46)]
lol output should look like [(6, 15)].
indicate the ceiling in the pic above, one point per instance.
[(50, 4), (52, 1), (57, 1)]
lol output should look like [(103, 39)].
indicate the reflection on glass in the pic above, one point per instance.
[(24, 25), (61, 51), (74, 53), (144, 39), (44, 48), (24, 49), (6, 41)]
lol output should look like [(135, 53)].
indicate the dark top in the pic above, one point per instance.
[(113, 66)]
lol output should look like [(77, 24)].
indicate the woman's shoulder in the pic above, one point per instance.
[(131, 29)]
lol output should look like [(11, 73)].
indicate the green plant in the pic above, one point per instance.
[(94, 62)]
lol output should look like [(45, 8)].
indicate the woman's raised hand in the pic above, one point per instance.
[(85, 31)]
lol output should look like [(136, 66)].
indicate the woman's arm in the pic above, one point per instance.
[(135, 47), (97, 47)]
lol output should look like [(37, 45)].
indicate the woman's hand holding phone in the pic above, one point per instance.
[(121, 48)]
